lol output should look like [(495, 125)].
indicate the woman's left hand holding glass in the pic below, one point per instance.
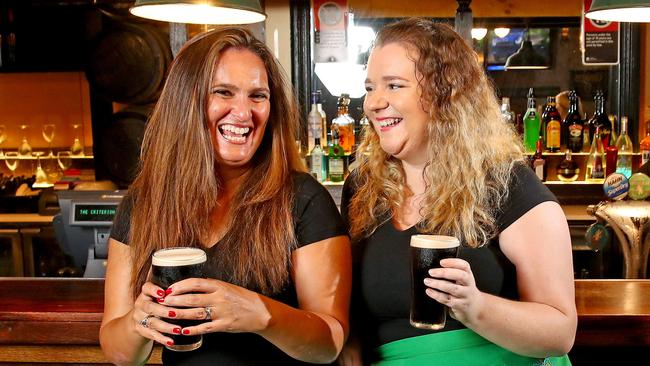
[(224, 307), (454, 285)]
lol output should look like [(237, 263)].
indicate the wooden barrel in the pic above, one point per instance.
[(121, 142), (128, 63)]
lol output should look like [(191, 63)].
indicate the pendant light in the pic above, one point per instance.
[(526, 58), (636, 11), (200, 11)]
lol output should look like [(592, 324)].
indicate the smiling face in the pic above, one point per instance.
[(393, 104), (238, 107)]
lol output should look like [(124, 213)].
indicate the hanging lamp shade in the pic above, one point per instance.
[(200, 11), (635, 11), (526, 58)]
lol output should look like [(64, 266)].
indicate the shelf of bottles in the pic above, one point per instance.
[(329, 159), (573, 149)]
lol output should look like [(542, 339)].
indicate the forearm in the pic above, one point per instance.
[(526, 328), (304, 335), (121, 344)]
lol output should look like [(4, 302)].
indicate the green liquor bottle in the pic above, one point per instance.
[(336, 160), (531, 124)]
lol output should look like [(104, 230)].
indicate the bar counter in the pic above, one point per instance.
[(57, 320)]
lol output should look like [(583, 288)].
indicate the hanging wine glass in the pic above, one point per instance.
[(41, 176), (77, 147), (65, 160), (11, 160), (3, 137), (25, 149), (48, 135)]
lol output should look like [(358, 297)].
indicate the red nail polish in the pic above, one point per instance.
[(186, 332), (168, 291), (161, 299), (160, 293), (172, 314), (176, 330), (170, 343)]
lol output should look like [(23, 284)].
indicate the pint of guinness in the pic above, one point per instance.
[(169, 266), (426, 253)]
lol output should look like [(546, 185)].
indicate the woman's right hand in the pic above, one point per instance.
[(147, 305)]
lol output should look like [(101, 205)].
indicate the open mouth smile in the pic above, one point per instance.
[(235, 134)]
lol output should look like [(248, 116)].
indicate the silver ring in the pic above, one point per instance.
[(208, 313), (145, 321)]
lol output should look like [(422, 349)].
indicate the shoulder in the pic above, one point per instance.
[(122, 220), (525, 191)]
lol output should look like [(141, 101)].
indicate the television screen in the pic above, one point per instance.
[(500, 48)]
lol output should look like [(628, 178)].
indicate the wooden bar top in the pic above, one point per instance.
[(66, 313)]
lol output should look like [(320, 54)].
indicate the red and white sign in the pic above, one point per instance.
[(330, 33), (600, 40)]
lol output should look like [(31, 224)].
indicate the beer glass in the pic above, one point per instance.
[(169, 266), (426, 253)]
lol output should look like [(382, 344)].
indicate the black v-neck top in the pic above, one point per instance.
[(381, 295), (316, 218)]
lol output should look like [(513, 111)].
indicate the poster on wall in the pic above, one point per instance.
[(330, 37), (600, 40)]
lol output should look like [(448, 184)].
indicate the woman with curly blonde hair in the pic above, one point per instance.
[(438, 159)]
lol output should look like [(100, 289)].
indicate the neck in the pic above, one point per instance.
[(231, 178), (414, 176)]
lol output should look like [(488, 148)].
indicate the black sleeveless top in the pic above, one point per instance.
[(316, 218), (381, 288)]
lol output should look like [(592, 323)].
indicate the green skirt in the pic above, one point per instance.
[(456, 347)]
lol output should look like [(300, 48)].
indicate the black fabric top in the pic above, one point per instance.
[(381, 295), (316, 218)]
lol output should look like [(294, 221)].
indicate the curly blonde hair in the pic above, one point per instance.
[(471, 150)]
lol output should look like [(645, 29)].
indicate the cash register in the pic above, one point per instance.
[(83, 227)]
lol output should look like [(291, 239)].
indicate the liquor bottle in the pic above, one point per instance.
[(336, 160), (317, 166), (507, 114), (345, 124), (567, 169), (551, 124), (537, 161), (625, 150), (645, 144), (314, 121), (323, 125), (600, 120), (596, 163), (531, 123), (572, 125)]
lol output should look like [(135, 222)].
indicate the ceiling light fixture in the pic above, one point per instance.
[(635, 11), (200, 11)]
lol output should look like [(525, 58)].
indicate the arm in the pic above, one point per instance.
[(313, 332), (543, 323), (123, 340), (120, 341)]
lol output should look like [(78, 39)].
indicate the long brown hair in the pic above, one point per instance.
[(178, 183), (471, 151)]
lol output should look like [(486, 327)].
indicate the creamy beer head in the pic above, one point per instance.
[(434, 241), (178, 257)]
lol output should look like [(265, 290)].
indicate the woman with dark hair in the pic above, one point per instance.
[(438, 159), (220, 171)]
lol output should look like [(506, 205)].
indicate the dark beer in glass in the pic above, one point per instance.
[(426, 253), (169, 266)]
